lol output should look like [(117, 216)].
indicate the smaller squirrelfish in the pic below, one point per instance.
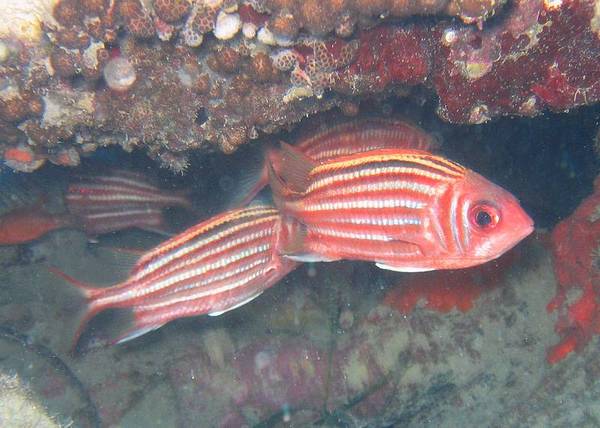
[(119, 200), (353, 137), (406, 210), (211, 268)]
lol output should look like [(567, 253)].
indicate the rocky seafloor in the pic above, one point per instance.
[(321, 347)]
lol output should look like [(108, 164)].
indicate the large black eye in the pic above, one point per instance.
[(483, 218)]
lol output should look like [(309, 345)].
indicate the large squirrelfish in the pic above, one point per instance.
[(211, 268), (406, 210), (352, 137)]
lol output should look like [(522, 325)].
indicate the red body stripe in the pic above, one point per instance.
[(335, 248)]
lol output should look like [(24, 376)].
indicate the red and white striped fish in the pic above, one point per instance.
[(119, 200), (351, 137), (406, 210), (211, 268)]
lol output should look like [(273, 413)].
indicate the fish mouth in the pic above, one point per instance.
[(529, 230)]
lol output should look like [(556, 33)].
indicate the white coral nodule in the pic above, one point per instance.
[(227, 25)]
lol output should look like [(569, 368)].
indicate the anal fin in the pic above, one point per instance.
[(135, 333), (237, 305), (406, 269)]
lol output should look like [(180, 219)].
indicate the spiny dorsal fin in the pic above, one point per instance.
[(294, 168)]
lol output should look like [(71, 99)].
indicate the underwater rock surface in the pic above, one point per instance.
[(323, 347)]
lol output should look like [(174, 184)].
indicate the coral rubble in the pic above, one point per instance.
[(173, 76), (576, 250)]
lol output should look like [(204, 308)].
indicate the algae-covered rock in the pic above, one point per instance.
[(19, 407)]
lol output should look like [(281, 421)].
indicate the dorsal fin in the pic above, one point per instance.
[(254, 178), (294, 168)]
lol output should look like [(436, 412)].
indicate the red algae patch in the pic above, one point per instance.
[(444, 291), (576, 252)]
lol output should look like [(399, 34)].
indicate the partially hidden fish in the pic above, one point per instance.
[(351, 137), (405, 210), (211, 268), (26, 224), (120, 199)]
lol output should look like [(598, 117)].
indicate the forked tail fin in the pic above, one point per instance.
[(250, 186), (255, 177), (119, 325), (82, 297)]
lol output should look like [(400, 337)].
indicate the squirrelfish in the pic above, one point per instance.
[(353, 137), (211, 268), (406, 210), (119, 200)]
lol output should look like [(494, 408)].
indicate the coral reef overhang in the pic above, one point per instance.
[(173, 77)]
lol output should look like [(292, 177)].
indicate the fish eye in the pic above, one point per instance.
[(484, 216)]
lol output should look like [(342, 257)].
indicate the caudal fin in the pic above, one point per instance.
[(250, 186), (253, 179), (80, 303), (112, 326)]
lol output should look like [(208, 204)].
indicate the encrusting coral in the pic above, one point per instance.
[(200, 74)]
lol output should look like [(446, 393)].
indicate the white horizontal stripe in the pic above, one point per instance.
[(336, 233), (346, 150), (89, 188), (189, 260), (385, 185), (118, 197), (126, 181), (371, 172), (193, 245), (365, 203), (190, 273), (202, 293), (379, 220), (128, 213)]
